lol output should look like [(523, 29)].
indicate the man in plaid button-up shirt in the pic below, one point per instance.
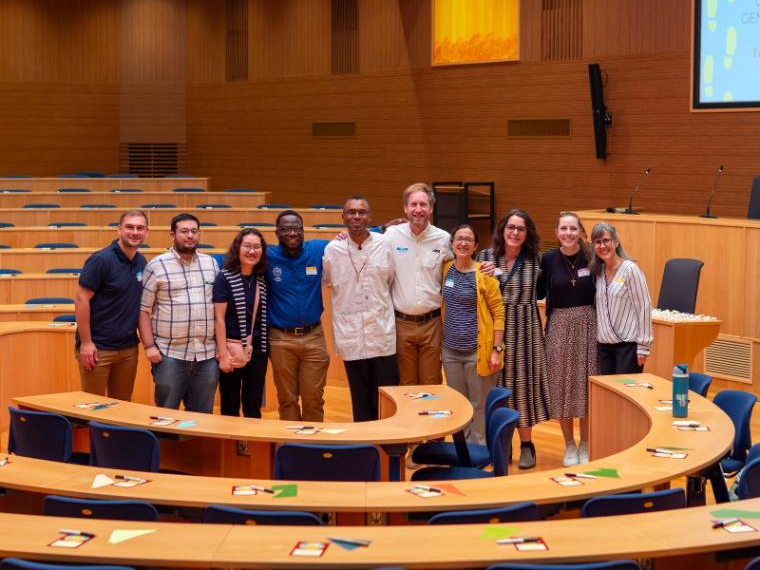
[(177, 320)]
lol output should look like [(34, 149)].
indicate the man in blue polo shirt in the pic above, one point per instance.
[(298, 350), (107, 306)]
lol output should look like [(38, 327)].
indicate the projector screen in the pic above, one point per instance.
[(726, 54)]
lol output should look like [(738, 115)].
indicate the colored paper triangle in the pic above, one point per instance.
[(493, 532), (450, 489), (282, 491), (346, 545), (118, 536), (613, 473), (626, 381), (735, 513), (101, 481)]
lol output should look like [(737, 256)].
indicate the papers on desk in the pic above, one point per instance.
[(425, 492), (350, 543), (646, 385), (4, 461), (95, 405), (689, 425), (118, 536), (565, 481), (422, 396), (162, 421), (313, 430), (123, 481), (667, 453), (733, 526), (71, 538), (309, 548), (435, 413)]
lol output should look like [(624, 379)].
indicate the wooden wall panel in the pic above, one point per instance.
[(394, 34), (288, 38), (205, 40), (152, 50), (47, 41)]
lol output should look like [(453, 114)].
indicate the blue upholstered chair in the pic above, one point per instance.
[(64, 271), (49, 301), (222, 514), (444, 452), (68, 318), (56, 506), (10, 272), (699, 383), (738, 406), (501, 426), (41, 206), (632, 503), (274, 206), (526, 511), (310, 462), (42, 435), (56, 245), (189, 190), (122, 447)]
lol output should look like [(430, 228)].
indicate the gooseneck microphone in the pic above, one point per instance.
[(707, 213), (629, 209)]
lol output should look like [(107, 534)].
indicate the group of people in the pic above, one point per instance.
[(408, 299)]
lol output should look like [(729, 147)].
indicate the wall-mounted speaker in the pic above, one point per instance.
[(602, 119)]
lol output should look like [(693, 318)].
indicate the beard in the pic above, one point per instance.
[(185, 249)]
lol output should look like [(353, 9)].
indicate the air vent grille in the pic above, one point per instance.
[(152, 160), (542, 128), (333, 129), (345, 36), (730, 359), (236, 52), (561, 29)]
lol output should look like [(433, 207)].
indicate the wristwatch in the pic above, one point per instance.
[(498, 348)]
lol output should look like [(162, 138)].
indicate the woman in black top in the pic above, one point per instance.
[(571, 357), (240, 316)]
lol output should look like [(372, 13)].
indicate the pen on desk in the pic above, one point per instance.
[(128, 478), (580, 476), (162, 418), (429, 489), (688, 424), (660, 450), (262, 489), (75, 532), (356, 541), (4, 461), (519, 540), (726, 522), (432, 412)]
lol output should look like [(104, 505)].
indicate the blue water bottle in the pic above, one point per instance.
[(680, 391)]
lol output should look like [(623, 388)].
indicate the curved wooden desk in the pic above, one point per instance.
[(133, 199), (160, 216), (103, 184), (632, 411), (45, 313), (662, 535), (101, 236)]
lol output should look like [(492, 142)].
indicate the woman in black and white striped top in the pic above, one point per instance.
[(623, 305)]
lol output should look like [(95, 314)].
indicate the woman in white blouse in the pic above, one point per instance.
[(623, 306)]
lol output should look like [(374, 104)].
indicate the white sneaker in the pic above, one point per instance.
[(583, 452), (571, 455)]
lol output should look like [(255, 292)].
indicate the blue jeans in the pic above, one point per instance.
[(191, 381)]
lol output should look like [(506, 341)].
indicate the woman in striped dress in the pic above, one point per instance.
[(515, 253), (623, 306)]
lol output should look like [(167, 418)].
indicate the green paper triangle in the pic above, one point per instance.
[(735, 513), (289, 490), (612, 473), (495, 532), (626, 381)]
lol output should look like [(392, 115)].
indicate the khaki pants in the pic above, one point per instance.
[(114, 373), (299, 367), (418, 351)]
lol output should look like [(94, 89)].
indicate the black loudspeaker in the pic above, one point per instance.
[(602, 118)]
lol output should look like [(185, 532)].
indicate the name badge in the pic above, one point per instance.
[(583, 272), (312, 270), (619, 280), (402, 249), (139, 276), (449, 282)]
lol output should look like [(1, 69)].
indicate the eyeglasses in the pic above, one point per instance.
[(185, 231), (352, 213), (464, 239), (250, 247), (290, 230), (510, 229), (604, 242)]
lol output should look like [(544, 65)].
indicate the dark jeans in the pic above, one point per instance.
[(244, 384), (364, 378), (191, 381), (618, 358)]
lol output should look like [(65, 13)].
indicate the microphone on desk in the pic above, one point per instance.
[(629, 209), (707, 214)]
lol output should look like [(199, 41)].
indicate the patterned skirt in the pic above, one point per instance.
[(571, 358)]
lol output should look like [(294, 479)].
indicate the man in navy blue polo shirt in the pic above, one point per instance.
[(107, 306), (298, 350)]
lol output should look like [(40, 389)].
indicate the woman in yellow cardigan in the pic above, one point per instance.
[(473, 328)]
